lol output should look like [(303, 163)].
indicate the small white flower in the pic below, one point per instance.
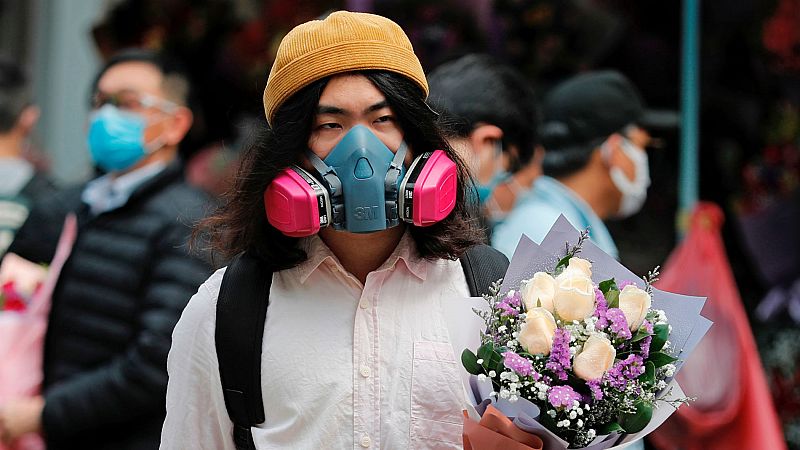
[(580, 423), (669, 370), (515, 334), (586, 407), (591, 434), (579, 411), (481, 377), (661, 385), (522, 316), (573, 415), (480, 361), (667, 345), (504, 393), (492, 373), (542, 396), (502, 329), (513, 398), (512, 344), (551, 413)]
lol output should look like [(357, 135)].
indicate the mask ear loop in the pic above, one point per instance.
[(391, 184), (331, 182)]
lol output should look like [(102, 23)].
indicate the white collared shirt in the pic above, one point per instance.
[(344, 365), (107, 193)]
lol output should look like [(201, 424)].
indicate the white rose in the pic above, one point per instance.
[(574, 298), (635, 303), (537, 334), (580, 265), (595, 359), (540, 289)]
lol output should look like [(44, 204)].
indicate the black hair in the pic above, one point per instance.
[(14, 93), (476, 88), (564, 153), (175, 81), (240, 224)]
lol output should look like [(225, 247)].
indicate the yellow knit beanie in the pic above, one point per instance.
[(343, 42)]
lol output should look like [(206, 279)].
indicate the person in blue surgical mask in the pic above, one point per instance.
[(594, 130), (490, 111), (129, 275)]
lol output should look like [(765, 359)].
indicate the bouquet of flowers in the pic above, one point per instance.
[(576, 350)]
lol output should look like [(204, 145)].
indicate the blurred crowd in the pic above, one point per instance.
[(556, 107)]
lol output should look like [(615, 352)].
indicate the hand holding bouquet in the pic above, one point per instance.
[(579, 353)]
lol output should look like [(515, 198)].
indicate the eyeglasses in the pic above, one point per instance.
[(131, 100)]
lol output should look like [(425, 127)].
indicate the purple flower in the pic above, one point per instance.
[(628, 369), (648, 326), (517, 363), (560, 359), (645, 346), (600, 309), (594, 386), (510, 304), (622, 284), (619, 324), (562, 396)]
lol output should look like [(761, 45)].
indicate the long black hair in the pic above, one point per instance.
[(240, 224)]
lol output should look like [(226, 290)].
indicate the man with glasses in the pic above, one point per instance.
[(129, 275), (594, 132)]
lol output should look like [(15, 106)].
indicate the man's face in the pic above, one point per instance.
[(347, 101), (136, 87)]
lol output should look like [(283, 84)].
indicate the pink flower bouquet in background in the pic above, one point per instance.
[(577, 350), (26, 291)]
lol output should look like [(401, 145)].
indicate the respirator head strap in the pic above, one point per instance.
[(392, 181)]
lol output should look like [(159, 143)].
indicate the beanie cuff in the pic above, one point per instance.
[(339, 58)]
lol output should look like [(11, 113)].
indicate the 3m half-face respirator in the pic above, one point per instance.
[(361, 187)]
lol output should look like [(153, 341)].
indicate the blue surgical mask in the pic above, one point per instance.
[(116, 138), (485, 190), (500, 175), (361, 162)]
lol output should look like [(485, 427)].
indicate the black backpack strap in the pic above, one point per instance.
[(241, 313), (482, 266)]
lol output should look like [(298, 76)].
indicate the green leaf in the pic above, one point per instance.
[(491, 356), (641, 333), (612, 298), (649, 375), (470, 362), (634, 423), (563, 262), (660, 359), (485, 352), (660, 336), (609, 428), (607, 285)]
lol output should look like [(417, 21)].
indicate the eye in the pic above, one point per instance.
[(384, 119), (329, 126)]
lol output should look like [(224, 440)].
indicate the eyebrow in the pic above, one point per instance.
[(328, 109)]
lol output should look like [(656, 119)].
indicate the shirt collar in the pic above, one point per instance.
[(319, 254), (107, 193)]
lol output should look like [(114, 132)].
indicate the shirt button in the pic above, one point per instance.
[(365, 371), (366, 441), (364, 304)]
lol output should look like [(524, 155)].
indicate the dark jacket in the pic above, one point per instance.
[(116, 302)]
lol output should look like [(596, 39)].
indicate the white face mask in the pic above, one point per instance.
[(634, 193)]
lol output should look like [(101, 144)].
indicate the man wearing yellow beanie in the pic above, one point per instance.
[(356, 353)]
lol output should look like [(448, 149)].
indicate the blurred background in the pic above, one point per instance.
[(749, 106)]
